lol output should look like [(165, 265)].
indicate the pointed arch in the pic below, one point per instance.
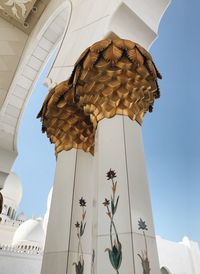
[(45, 37)]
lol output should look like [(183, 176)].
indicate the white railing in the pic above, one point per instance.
[(20, 250)]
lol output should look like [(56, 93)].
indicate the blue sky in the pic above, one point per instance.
[(170, 133)]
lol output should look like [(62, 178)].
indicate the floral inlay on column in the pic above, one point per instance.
[(144, 254), (80, 226), (115, 252)]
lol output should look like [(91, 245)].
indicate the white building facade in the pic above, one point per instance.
[(21, 240)]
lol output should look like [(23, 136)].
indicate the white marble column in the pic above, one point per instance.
[(73, 180), (120, 147)]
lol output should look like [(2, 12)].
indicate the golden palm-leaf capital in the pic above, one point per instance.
[(64, 122), (115, 77), (111, 77)]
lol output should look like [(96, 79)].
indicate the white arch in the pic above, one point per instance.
[(50, 26), (49, 31), (40, 46)]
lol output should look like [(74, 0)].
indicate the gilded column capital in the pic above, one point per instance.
[(112, 77), (64, 122)]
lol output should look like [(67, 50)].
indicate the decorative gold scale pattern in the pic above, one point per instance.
[(64, 122), (111, 77)]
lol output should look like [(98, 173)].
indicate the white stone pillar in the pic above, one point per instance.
[(73, 180), (120, 147)]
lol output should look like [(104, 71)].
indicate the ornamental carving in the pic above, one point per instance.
[(18, 9), (23, 14), (112, 77)]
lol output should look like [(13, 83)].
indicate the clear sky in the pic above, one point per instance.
[(171, 132)]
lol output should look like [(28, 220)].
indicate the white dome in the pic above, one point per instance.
[(30, 233), (12, 189)]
